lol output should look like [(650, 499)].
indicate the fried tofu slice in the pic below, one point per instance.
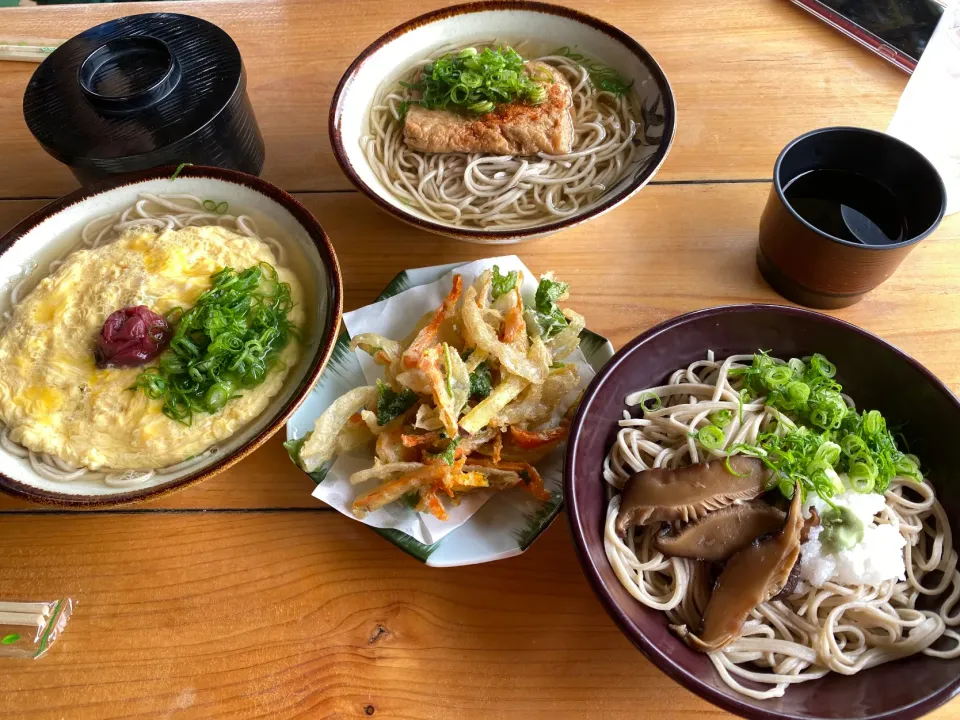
[(511, 129)]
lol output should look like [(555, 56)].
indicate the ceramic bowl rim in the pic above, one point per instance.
[(743, 707), (324, 249), (494, 236)]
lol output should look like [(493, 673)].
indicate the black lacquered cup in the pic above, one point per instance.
[(813, 267)]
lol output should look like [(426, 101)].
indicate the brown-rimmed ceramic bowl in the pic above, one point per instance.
[(539, 23), (52, 232), (876, 375)]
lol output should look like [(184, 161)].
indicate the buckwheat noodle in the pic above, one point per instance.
[(163, 212), (842, 629), (506, 191)]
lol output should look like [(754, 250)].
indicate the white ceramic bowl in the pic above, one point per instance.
[(54, 231), (538, 23)]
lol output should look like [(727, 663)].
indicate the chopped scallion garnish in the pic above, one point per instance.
[(831, 438), (711, 437), (225, 343), (477, 81)]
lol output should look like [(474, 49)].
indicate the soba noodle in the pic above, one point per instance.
[(505, 191), (814, 631), (164, 212)]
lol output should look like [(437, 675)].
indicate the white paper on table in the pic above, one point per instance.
[(396, 318), (928, 116)]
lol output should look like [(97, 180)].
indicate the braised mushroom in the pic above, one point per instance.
[(722, 533), (752, 576), (690, 492)]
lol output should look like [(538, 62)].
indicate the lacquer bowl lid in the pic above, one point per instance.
[(144, 91)]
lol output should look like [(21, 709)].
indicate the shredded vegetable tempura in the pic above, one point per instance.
[(467, 401)]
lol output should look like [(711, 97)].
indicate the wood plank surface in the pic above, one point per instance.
[(312, 616), (244, 597), (748, 75)]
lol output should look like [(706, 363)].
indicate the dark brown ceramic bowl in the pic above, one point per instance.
[(813, 268), (54, 231), (877, 375), (547, 26)]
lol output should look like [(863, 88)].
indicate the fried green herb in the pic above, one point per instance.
[(392, 404), (502, 284), (546, 314), (449, 453), (476, 82), (224, 344), (481, 385)]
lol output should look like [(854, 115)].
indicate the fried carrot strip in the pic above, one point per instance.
[(428, 336), (418, 440), (497, 447), (526, 470), (513, 324), (530, 440), (429, 502), (393, 490)]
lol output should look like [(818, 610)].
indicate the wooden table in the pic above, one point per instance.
[(243, 597)]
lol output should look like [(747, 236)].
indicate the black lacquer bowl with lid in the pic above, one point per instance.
[(141, 92)]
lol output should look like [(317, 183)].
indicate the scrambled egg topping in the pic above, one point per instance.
[(53, 397)]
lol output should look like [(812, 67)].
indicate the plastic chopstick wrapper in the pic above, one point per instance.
[(929, 108), (28, 629), (395, 318)]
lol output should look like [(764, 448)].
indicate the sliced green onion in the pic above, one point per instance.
[(711, 437), (536, 95), (743, 398), (215, 207), (797, 393), (787, 487), (798, 366), (777, 376), (873, 422), (650, 401), (908, 467), (829, 453), (481, 107), (821, 366), (862, 470), (180, 167), (721, 418), (726, 464), (476, 81), (862, 484), (230, 339), (852, 445)]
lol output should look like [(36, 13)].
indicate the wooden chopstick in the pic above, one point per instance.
[(27, 49), (39, 608)]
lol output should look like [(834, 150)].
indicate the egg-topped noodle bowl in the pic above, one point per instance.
[(486, 135), (781, 530), (169, 328)]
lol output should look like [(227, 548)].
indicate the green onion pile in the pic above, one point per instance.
[(477, 82), (228, 341), (819, 436)]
